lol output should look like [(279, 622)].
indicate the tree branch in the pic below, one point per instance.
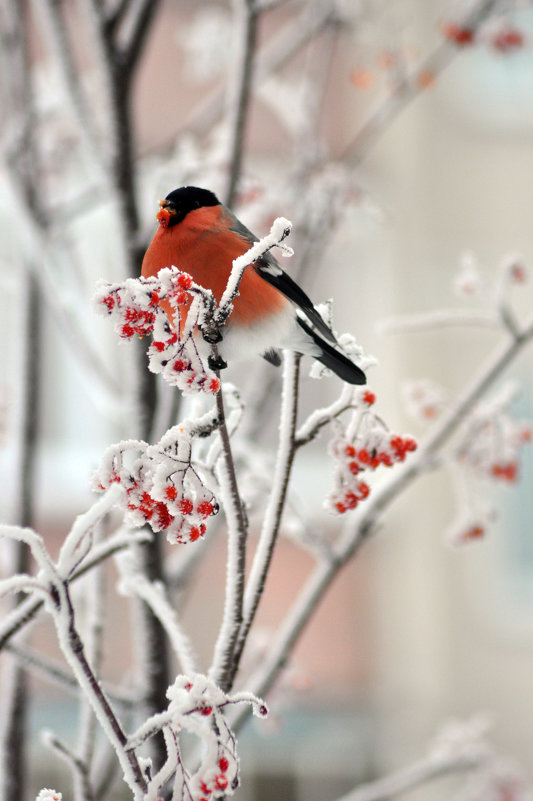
[(364, 524), (276, 505), (239, 105), (222, 668)]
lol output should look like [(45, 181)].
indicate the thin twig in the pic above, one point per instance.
[(365, 524), (247, 10), (408, 778), (29, 608), (72, 646), (276, 504), (77, 765), (56, 673), (222, 667), (408, 89)]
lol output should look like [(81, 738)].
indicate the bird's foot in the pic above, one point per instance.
[(211, 334), (216, 363)]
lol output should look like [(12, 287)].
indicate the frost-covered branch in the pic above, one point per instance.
[(277, 52), (78, 766), (134, 582), (247, 14), (460, 748), (278, 494), (223, 657), (410, 87), (367, 518)]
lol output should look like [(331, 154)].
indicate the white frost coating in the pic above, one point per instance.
[(320, 416), (78, 541), (229, 619), (49, 795), (279, 230), (22, 583), (36, 544), (269, 529), (134, 582), (63, 623), (196, 705)]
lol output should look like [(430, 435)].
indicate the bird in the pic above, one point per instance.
[(201, 236)]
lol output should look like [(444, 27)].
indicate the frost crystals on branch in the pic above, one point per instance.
[(159, 484), (196, 705)]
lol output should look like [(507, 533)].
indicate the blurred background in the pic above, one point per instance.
[(400, 153)]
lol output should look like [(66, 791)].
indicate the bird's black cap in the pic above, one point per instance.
[(187, 199)]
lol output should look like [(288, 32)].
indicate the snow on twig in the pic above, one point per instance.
[(279, 231), (196, 705), (465, 757), (365, 521), (278, 492), (134, 582)]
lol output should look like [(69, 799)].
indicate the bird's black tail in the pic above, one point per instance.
[(334, 359)]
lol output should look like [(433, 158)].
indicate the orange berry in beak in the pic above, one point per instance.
[(163, 217)]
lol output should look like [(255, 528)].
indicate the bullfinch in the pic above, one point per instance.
[(202, 237)]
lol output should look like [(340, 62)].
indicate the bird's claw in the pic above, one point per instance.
[(216, 363), (211, 335)]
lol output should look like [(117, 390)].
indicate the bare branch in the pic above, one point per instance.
[(414, 775), (222, 668), (248, 15), (364, 524)]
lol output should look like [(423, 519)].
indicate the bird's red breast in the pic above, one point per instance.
[(204, 246)]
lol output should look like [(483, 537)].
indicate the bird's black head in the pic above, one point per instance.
[(177, 204)]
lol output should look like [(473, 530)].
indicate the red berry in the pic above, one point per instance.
[(171, 493), (461, 36), (186, 506), (205, 508), (184, 281), (363, 456)]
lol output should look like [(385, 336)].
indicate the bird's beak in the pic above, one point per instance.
[(166, 211)]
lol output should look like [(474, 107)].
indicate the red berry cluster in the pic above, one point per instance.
[(507, 40), (371, 447), (460, 35), (468, 529), (216, 782), (505, 472), (495, 450), (503, 38), (179, 507), (142, 306), (179, 363)]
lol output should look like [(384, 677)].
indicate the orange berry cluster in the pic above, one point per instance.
[(369, 448)]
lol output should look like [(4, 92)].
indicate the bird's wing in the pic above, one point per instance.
[(268, 268), (334, 359)]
